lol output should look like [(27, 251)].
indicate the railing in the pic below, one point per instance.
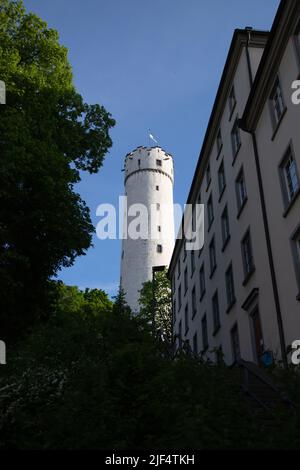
[(252, 370)]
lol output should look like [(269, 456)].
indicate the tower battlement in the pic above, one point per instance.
[(149, 158)]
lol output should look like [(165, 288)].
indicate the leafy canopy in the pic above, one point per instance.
[(156, 304), (101, 380), (48, 134)]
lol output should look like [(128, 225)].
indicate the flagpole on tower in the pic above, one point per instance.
[(151, 137)]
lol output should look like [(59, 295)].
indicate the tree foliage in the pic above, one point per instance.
[(95, 377), (156, 304), (47, 135)]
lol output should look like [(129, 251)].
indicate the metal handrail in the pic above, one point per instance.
[(250, 368)]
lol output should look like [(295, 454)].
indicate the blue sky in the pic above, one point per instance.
[(153, 64)]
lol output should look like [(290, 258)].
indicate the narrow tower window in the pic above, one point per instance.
[(159, 248)]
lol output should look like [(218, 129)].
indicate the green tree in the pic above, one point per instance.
[(120, 304), (87, 381), (156, 304), (70, 299), (48, 135)]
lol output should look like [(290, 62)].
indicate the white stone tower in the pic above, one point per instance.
[(149, 177)]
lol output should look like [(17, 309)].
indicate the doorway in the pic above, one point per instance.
[(258, 342)]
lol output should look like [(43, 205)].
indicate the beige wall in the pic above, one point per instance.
[(281, 223), (271, 153), (250, 216)]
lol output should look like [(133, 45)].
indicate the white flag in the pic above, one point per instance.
[(151, 137)]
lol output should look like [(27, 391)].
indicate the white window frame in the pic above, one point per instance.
[(277, 102), (289, 191)]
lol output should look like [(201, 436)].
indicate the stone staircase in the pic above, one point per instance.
[(261, 389)]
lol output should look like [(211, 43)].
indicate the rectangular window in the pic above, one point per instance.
[(185, 281), (184, 250), (216, 312), (195, 344), (208, 175), (219, 355), (295, 240), (174, 312), (159, 249), (289, 177), (159, 228), (235, 344), (298, 248), (180, 334), (230, 287), (192, 261), (158, 206), (179, 298), (297, 41), (204, 333), (212, 256), (247, 256), (157, 188), (158, 162), (277, 103), (298, 34), (186, 319), (225, 227), (194, 305), (232, 101), (221, 179), (235, 138), (202, 281), (210, 211), (219, 142), (241, 192), (194, 218)]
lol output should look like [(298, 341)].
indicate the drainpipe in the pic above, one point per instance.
[(265, 221)]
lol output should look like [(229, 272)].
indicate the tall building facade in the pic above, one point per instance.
[(148, 229), (240, 293)]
